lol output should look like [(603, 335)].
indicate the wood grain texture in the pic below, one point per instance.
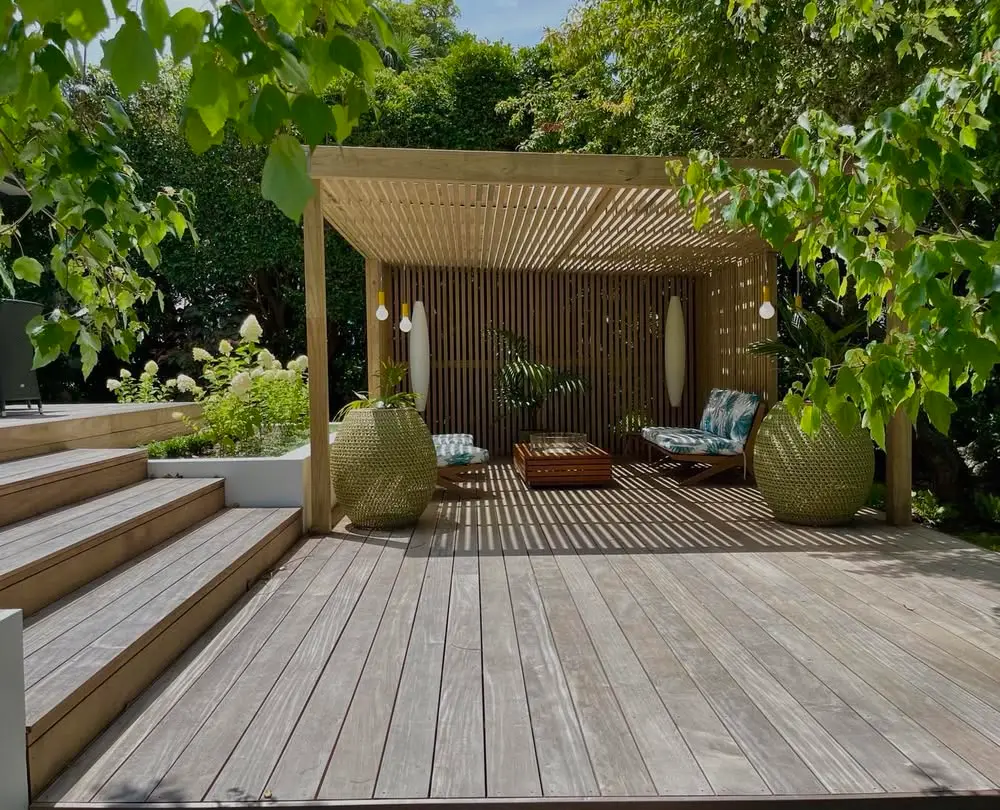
[(107, 675), (47, 557), (320, 498), (643, 639), (39, 484)]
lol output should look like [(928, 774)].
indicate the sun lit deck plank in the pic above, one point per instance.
[(193, 773), (879, 757), (618, 766), (409, 749), (775, 760), (836, 769), (459, 755), (511, 763), (981, 650), (219, 655), (723, 762), (667, 758), (783, 593), (940, 764), (301, 766), (975, 671), (354, 765), (563, 763), (891, 651), (247, 770)]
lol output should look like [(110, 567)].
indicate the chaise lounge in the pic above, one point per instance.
[(723, 440), (458, 457)]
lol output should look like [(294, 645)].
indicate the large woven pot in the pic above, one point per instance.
[(383, 467), (817, 481)]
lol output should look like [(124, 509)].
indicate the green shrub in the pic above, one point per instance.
[(876, 498), (250, 404), (987, 506), (929, 509), (180, 447)]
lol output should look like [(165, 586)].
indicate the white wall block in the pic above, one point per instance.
[(13, 756)]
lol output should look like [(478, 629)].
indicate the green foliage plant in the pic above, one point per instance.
[(283, 74), (871, 209), (525, 384), (147, 387), (390, 376), (250, 403)]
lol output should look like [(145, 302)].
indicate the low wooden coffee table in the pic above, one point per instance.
[(582, 465)]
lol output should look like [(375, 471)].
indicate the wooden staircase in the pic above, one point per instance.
[(116, 575)]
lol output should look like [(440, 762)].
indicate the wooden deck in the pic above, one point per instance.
[(640, 640), (25, 432)]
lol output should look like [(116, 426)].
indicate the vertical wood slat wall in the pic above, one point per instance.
[(728, 300), (608, 328)]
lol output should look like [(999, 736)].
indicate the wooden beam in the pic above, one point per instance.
[(899, 470), (319, 390), (378, 277), (537, 168)]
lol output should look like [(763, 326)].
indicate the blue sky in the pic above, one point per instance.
[(519, 22)]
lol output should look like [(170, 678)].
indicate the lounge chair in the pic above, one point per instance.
[(723, 440), (457, 457)]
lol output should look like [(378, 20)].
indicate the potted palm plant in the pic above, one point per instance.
[(383, 467), (525, 384), (814, 480)]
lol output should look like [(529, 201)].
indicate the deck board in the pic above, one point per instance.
[(638, 640)]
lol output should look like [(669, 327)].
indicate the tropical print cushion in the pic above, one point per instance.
[(692, 441), (729, 414), (457, 450)]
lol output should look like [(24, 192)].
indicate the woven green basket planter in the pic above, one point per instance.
[(816, 481), (383, 467)]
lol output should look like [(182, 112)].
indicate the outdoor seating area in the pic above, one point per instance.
[(641, 639)]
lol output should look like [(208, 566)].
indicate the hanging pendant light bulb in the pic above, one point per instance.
[(766, 308), (798, 301), (405, 324), (381, 313)]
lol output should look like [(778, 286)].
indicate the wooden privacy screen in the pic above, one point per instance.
[(727, 301), (608, 328)]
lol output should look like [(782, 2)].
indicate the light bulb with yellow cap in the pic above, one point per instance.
[(381, 313), (766, 308), (405, 324)]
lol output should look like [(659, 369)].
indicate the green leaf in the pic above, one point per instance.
[(313, 118), (208, 95), (812, 419), (198, 137), (54, 62), (915, 204), (810, 12), (89, 348), (86, 19), (342, 123), (268, 112), (130, 56), (285, 180), (28, 269), (47, 337), (186, 29), (156, 17), (983, 355), (288, 13), (939, 409), (845, 416), (345, 51), (967, 137), (6, 278)]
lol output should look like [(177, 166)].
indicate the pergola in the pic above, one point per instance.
[(578, 253)]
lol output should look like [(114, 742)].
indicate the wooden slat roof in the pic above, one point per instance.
[(519, 211)]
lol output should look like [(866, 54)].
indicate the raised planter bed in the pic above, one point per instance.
[(250, 481)]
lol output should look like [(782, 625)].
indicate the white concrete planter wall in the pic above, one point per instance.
[(13, 756), (256, 481)]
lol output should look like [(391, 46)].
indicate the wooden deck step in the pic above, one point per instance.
[(91, 653), (47, 557), (31, 486)]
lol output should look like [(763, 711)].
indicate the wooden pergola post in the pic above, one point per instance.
[(319, 385), (378, 333), (898, 460)]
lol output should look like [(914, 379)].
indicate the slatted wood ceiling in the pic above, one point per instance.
[(578, 253)]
